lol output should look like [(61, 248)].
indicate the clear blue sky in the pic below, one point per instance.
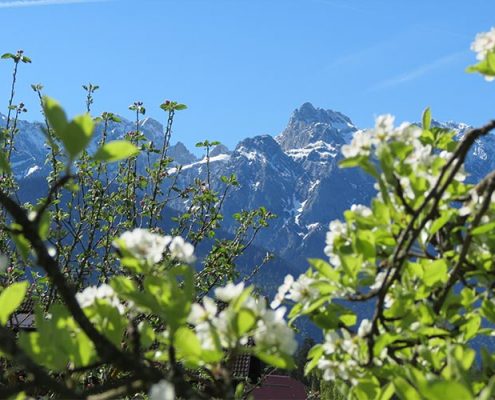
[(243, 66)]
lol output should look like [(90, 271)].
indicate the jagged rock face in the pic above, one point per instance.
[(28, 155), (220, 149), (308, 125), (295, 175), (481, 159), (180, 154)]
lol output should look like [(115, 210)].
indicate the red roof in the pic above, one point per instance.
[(278, 387)]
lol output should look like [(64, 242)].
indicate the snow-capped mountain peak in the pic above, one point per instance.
[(309, 125)]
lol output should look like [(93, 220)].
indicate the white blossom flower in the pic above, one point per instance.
[(484, 43), (361, 210), (4, 263), (461, 175), (52, 251), (202, 313), (205, 335), (421, 155), (333, 369), (272, 332), (163, 390), (181, 250), (328, 367), (330, 344), (282, 291), (144, 245), (379, 279), (388, 301), (256, 305), (229, 291), (301, 290), (415, 326), (89, 295), (407, 133), (32, 215), (384, 124), (360, 145), (364, 328), (405, 184), (336, 229)]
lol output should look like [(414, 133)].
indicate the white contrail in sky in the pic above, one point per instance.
[(418, 72), (31, 3)]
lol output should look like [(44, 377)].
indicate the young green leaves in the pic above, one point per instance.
[(10, 299), (76, 135), (172, 106), (115, 151)]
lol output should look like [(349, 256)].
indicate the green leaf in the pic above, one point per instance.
[(427, 118), (4, 164), (351, 162), (367, 388), (324, 268), (314, 355), (21, 243), (283, 361), (115, 151), (146, 334), (365, 244), (387, 392), (77, 135), (439, 223), (435, 271), (187, 346), (470, 328), (485, 67), (446, 390), (404, 390), (490, 227), (488, 310), (10, 299), (244, 321), (55, 115), (44, 225)]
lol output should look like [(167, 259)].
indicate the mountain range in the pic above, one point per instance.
[(294, 174)]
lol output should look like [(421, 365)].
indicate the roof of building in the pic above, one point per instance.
[(279, 387)]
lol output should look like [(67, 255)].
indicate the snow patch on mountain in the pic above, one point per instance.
[(219, 158), (32, 170)]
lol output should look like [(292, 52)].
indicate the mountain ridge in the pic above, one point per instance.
[(294, 174)]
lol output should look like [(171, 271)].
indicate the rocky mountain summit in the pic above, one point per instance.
[(295, 174)]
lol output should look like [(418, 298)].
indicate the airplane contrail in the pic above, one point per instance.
[(34, 3)]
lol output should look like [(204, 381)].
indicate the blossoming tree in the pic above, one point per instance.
[(422, 256), (119, 308)]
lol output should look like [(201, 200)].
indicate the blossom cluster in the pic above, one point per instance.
[(484, 43), (215, 326), (299, 291), (363, 142), (91, 294), (149, 247), (484, 47)]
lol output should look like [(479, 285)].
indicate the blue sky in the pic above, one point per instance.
[(243, 66)]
